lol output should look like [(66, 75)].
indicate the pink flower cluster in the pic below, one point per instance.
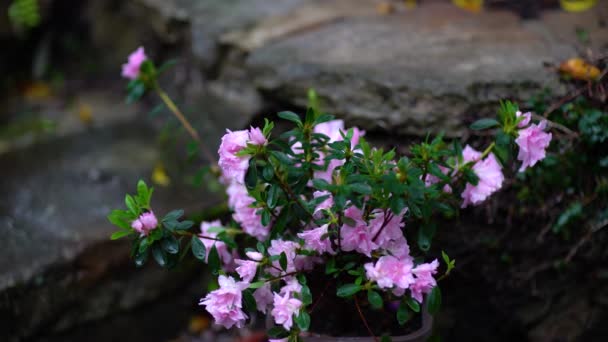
[(244, 213), (332, 129), (383, 231), (145, 223), (225, 303), (226, 256), (532, 141), (130, 70), (399, 275), (489, 173)]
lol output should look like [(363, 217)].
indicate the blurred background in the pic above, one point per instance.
[(71, 147)]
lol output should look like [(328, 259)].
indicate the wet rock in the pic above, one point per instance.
[(411, 73), (57, 265)]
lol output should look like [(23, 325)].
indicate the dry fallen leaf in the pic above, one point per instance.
[(474, 6), (198, 324), (577, 5), (85, 113), (37, 91), (579, 69), (385, 8), (160, 176)]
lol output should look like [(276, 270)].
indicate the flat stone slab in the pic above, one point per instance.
[(417, 71)]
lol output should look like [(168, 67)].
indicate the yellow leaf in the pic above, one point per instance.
[(410, 4), (37, 91), (578, 69), (577, 5), (85, 113), (385, 8), (160, 176), (470, 5), (198, 324)]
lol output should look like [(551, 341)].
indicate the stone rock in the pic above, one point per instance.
[(57, 265), (411, 73)]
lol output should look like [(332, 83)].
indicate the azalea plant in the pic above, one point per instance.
[(318, 201)]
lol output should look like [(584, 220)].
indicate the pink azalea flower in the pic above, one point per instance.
[(263, 297), (332, 129), (359, 237), (246, 269), (326, 204), (317, 240), (233, 167), (292, 285), (489, 173), (256, 137), (391, 272), (145, 223), (392, 228), (255, 256), (246, 215), (526, 119), (130, 70), (278, 339), (226, 256), (277, 247), (424, 281), (432, 179), (225, 303), (532, 142), (284, 309)]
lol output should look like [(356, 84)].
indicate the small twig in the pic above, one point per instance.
[(314, 305), (563, 101), (364, 320), (556, 125), (182, 119)]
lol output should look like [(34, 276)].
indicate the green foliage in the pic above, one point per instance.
[(24, 13)]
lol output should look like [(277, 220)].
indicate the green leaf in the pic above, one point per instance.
[(198, 249), (386, 338), (141, 258), (214, 259), (257, 284), (290, 116), (277, 332), (273, 196), (413, 304), (404, 314), (159, 255), (260, 247), (484, 124), (303, 320), (283, 261), (375, 299), (121, 218), (173, 215), (361, 188), (120, 234), (184, 225), (265, 217), (249, 301), (434, 300), (170, 244), (348, 290), (306, 295), (130, 202)]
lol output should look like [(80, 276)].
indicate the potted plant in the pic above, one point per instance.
[(328, 232)]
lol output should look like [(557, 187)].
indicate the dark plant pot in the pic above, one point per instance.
[(420, 335)]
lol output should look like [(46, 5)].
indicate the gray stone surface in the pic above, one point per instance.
[(57, 264), (429, 69)]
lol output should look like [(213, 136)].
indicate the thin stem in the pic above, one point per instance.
[(387, 218), (487, 150), (558, 126), (281, 277), (182, 119), (364, 320)]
